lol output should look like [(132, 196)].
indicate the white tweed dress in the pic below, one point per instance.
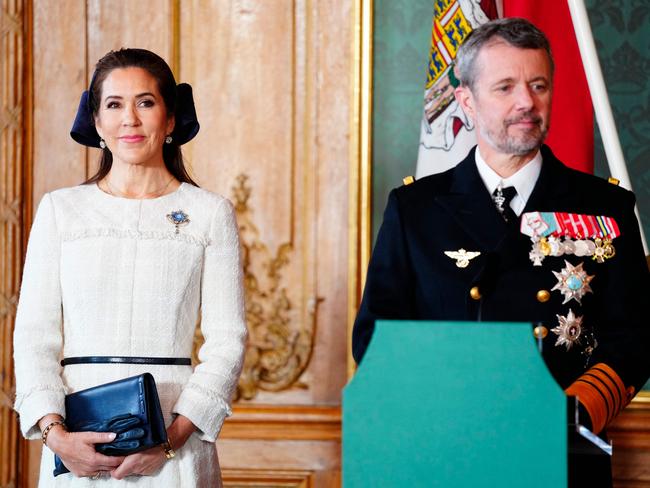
[(109, 276)]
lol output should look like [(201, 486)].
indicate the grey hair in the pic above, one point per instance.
[(512, 30)]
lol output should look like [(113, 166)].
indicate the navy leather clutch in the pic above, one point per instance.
[(128, 407)]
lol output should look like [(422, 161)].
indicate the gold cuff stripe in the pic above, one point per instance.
[(602, 392), (610, 398), (615, 380), (593, 401), (609, 383)]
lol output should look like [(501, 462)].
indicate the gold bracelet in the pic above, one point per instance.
[(168, 450), (49, 427)]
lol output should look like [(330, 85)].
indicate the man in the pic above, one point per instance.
[(511, 234)]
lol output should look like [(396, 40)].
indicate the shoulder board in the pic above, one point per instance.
[(407, 180)]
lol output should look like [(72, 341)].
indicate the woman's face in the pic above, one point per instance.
[(132, 117)]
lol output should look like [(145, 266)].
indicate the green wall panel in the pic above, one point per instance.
[(622, 34), (402, 33)]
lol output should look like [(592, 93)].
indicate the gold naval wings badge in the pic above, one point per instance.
[(462, 256)]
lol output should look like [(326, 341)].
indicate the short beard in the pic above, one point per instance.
[(520, 146)]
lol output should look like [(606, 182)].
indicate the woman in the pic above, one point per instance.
[(124, 265)]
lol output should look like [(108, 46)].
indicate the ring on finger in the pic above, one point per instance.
[(96, 476)]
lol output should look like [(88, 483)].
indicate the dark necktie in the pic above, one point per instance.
[(502, 198)]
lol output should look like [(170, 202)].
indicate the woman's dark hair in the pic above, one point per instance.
[(156, 67)]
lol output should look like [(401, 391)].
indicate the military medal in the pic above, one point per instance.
[(536, 255), (178, 218), (603, 250), (573, 282), (584, 247), (568, 246), (462, 256), (559, 233), (569, 330), (555, 246)]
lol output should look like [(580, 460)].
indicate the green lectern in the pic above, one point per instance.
[(454, 404)]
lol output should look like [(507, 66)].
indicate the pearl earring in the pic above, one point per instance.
[(102, 144)]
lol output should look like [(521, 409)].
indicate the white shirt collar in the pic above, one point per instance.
[(523, 180)]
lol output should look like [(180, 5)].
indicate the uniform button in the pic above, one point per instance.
[(543, 296), (475, 293), (540, 332)]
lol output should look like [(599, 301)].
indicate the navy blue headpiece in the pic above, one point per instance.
[(186, 125)]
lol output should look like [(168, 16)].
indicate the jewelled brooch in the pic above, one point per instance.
[(178, 218)]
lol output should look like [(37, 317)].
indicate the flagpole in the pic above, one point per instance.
[(600, 100)]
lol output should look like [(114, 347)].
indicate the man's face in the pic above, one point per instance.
[(511, 100)]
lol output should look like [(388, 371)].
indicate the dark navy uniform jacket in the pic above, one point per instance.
[(411, 278)]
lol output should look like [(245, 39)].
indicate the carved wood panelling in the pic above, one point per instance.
[(631, 429), (269, 422), (630, 436), (233, 478), (272, 85), (278, 350), (59, 78), (12, 158), (321, 458), (248, 76), (124, 23), (268, 82)]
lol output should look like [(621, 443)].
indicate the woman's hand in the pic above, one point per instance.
[(77, 451), (150, 461), (141, 463)]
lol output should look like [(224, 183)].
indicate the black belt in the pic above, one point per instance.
[(125, 360)]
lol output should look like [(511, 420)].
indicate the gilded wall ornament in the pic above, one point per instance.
[(279, 345), (279, 348)]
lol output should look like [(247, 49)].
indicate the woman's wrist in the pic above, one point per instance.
[(55, 438), (50, 426), (179, 432), (48, 419)]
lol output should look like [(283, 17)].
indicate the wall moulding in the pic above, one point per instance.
[(280, 344), (283, 422), (15, 183), (279, 348), (236, 478), (360, 186), (631, 429)]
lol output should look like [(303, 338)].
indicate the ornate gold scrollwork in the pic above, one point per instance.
[(278, 349)]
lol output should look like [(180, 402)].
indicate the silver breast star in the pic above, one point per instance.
[(569, 330), (573, 282)]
